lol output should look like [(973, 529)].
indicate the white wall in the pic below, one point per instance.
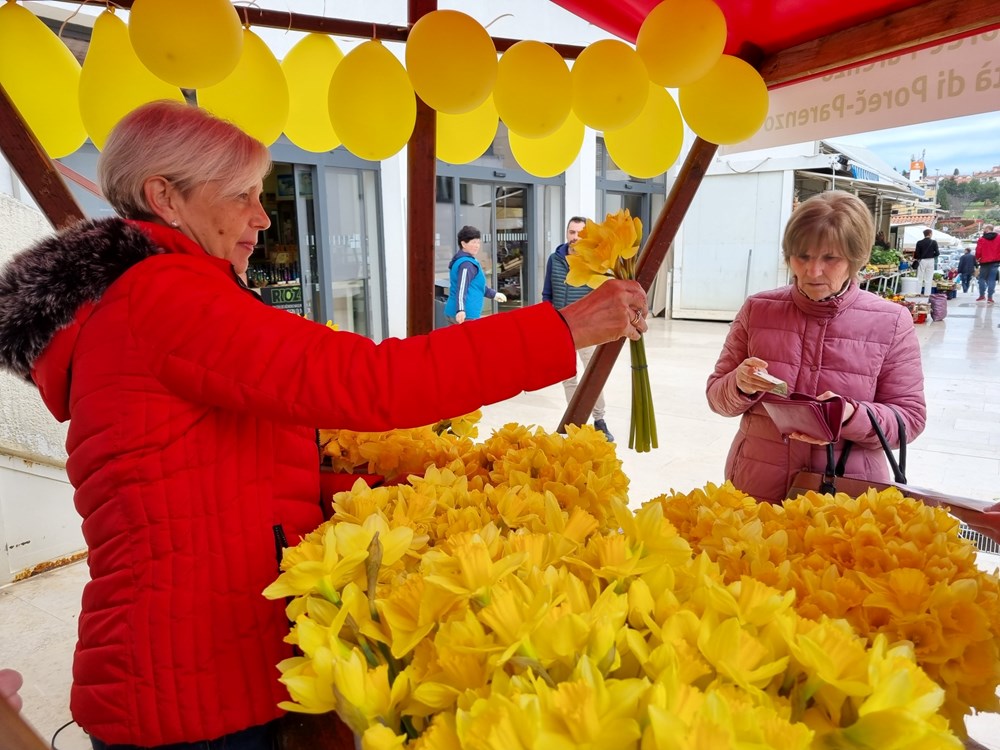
[(732, 244), (37, 519)]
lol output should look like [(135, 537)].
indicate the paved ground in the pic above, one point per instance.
[(959, 452)]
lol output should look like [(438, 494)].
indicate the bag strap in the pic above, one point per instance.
[(837, 469), (898, 467), (827, 485)]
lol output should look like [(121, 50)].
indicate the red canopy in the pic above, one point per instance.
[(796, 39)]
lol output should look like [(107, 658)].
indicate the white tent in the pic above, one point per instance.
[(914, 233)]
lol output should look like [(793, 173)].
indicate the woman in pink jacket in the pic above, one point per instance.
[(825, 337)]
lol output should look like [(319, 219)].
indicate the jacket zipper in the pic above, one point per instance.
[(280, 541)]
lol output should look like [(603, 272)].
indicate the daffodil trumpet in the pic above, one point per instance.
[(605, 251)]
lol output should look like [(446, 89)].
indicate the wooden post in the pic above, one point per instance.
[(421, 174), (667, 223), (34, 168)]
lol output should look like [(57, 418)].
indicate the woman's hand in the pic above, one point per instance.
[(747, 379), (849, 409), (10, 683), (616, 308)]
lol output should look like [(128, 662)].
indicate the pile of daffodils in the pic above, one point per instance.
[(506, 597), (887, 564)]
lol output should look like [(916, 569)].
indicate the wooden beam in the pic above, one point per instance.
[(73, 176), (283, 19), (919, 26), (15, 731), (654, 253), (34, 168), (421, 179)]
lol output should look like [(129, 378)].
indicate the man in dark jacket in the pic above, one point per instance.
[(966, 267), (559, 293), (924, 255), (988, 255)]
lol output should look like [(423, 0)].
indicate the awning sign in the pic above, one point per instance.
[(951, 80)]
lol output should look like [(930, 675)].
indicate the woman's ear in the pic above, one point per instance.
[(161, 197)]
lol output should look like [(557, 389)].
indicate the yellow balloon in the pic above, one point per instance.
[(464, 138), (41, 77), (254, 96), (648, 145), (610, 85), (188, 43), (680, 40), (372, 106), (532, 92), (113, 82), (552, 155), (451, 61), (728, 105), (308, 69)]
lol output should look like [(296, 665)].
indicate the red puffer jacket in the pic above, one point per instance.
[(193, 409), (988, 248), (857, 345)]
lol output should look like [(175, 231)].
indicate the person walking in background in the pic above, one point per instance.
[(467, 280), (966, 268), (924, 256), (825, 337), (559, 293), (988, 256)]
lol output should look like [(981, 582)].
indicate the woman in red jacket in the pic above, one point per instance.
[(193, 409), (824, 337)]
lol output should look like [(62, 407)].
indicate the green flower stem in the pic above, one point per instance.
[(642, 431)]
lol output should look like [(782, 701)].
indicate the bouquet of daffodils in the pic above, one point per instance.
[(510, 599), (604, 251)]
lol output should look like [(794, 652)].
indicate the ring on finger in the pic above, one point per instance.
[(636, 317)]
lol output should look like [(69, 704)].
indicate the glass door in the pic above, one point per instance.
[(353, 247), (499, 212)]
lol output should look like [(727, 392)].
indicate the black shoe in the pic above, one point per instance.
[(600, 424)]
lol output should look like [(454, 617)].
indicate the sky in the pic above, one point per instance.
[(969, 144)]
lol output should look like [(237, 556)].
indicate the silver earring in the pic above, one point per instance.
[(174, 224)]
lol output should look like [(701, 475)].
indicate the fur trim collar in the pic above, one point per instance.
[(42, 288)]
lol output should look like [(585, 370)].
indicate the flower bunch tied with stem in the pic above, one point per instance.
[(605, 251)]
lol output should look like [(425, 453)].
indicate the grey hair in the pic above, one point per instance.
[(183, 144), (833, 218)]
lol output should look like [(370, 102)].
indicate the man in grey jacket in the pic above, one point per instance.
[(560, 294)]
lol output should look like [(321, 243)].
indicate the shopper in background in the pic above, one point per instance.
[(10, 682), (988, 257), (824, 337), (924, 256), (559, 293), (192, 410), (966, 268), (467, 281)]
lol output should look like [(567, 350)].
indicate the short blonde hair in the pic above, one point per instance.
[(181, 143), (836, 219)]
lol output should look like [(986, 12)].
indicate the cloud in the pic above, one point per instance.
[(969, 144)]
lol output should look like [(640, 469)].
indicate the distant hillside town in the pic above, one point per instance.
[(957, 204)]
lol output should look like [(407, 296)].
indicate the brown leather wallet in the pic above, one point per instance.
[(806, 414)]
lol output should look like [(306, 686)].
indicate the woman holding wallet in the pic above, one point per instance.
[(825, 337)]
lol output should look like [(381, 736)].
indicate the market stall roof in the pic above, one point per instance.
[(796, 39)]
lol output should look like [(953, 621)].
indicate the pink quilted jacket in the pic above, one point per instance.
[(857, 345)]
